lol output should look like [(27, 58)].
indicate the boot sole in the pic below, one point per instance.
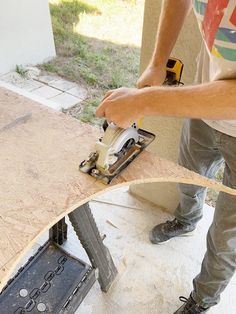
[(188, 234)]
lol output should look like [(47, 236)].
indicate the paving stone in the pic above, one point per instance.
[(30, 85), (47, 78), (66, 100), (16, 79), (30, 95), (78, 91), (12, 77), (63, 85), (46, 92)]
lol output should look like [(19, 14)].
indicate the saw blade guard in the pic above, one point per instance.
[(114, 140)]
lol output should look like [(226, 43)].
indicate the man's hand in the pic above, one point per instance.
[(121, 106), (152, 76), (173, 14)]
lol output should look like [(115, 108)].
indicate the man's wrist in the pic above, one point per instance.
[(143, 100), (158, 60)]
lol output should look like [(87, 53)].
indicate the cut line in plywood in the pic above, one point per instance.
[(40, 182)]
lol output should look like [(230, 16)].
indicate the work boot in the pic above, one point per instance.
[(169, 229), (190, 307)]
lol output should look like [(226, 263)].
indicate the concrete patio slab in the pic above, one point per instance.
[(57, 92), (62, 85), (78, 91), (47, 78), (30, 85), (30, 95), (151, 277), (46, 92), (65, 100)]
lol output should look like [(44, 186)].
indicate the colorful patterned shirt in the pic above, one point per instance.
[(217, 60)]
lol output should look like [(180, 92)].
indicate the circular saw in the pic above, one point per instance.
[(115, 150), (118, 147)]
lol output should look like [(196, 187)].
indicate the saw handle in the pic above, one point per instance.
[(105, 125)]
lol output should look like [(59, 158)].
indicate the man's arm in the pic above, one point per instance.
[(172, 17), (214, 100)]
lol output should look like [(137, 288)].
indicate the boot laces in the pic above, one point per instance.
[(190, 305), (184, 300), (173, 224)]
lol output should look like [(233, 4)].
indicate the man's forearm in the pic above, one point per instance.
[(172, 17), (214, 100)]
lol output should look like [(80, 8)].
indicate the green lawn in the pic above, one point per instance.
[(98, 46)]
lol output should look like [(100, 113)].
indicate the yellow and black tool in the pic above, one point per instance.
[(174, 69), (118, 147)]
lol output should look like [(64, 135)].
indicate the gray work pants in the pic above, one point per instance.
[(202, 150)]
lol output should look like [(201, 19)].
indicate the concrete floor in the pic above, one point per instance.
[(151, 277)]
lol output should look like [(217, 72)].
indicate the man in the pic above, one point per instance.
[(205, 143)]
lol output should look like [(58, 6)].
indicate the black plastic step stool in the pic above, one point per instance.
[(53, 281)]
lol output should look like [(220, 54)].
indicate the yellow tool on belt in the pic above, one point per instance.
[(118, 147), (174, 69)]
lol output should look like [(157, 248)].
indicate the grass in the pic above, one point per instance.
[(22, 71), (109, 61)]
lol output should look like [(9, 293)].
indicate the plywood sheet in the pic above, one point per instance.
[(40, 151)]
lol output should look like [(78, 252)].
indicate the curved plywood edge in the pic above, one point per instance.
[(149, 168), (40, 182)]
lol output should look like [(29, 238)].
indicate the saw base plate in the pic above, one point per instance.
[(89, 166)]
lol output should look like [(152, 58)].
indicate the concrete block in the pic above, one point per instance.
[(65, 100), (62, 85), (47, 92), (30, 85), (79, 92), (47, 79)]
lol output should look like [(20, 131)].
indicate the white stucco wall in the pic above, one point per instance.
[(25, 33)]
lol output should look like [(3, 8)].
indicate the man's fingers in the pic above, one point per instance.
[(140, 84), (107, 94), (100, 112), (110, 116), (144, 83)]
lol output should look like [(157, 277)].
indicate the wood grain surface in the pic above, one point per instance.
[(40, 151)]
